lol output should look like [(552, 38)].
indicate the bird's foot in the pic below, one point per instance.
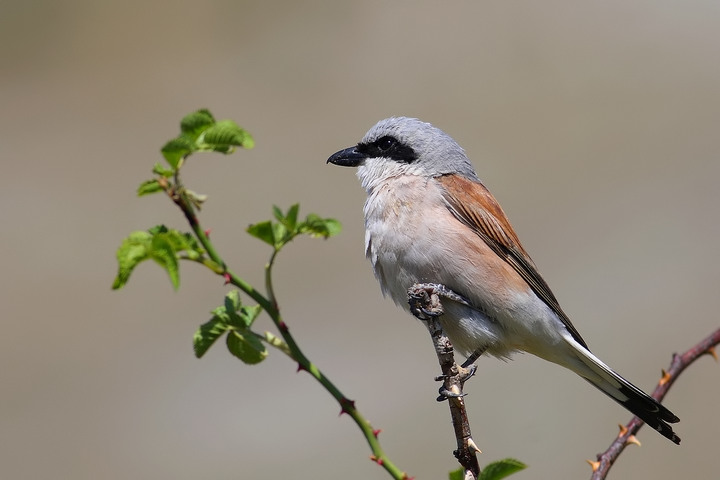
[(424, 299), (463, 375)]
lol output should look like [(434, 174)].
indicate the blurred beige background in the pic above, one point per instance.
[(595, 124)]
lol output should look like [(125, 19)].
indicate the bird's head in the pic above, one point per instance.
[(404, 146)]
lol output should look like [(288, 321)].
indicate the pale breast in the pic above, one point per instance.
[(397, 213), (411, 237)]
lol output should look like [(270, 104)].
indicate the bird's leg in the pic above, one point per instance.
[(473, 356)]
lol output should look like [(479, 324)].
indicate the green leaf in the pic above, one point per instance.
[(206, 335), (231, 306), (289, 219), (458, 474), (148, 187), (287, 228), (221, 314), (160, 244), (320, 227), (133, 250), (246, 346), (263, 231), (232, 300), (195, 123), (223, 136), (280, 234), (291, 216), (181, 242), (158, 229), (176, 149), (163, 252), (235, 318), (158, 169), (501, 469), (332, 226), (248, 314), (277, 213), (233, 313)]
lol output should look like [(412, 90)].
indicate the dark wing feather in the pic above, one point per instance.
[(473, 204)]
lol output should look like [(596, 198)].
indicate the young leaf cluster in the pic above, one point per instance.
[(234, 319), (199, 132), (287, 227), (164, 246)]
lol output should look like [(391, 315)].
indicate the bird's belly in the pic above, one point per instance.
[(407, 244)]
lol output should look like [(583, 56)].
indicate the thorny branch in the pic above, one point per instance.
[(679, 363), (425, 304), (424, 300)]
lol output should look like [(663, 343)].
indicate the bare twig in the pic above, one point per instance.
[(605, 460), (425, 304)]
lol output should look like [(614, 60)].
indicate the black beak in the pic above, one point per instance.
[(349, 157)]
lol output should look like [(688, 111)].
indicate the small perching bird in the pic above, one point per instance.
[(429, 219)]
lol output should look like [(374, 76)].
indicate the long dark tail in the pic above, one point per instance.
[(625, 393)]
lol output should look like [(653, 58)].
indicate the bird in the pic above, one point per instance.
[(429, 219)]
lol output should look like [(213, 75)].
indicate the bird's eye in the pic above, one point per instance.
[(387, 147), (385, 143)]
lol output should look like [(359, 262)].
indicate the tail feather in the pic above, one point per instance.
[(625, 393)]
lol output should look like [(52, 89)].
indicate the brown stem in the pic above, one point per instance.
[(605, 460), (425, 304)]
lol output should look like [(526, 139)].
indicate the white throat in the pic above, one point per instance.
[(374, 172)]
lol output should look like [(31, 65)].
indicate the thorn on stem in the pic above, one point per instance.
[(593, 465), (377, 460), (301, 368), (623, 430), (346, 405), (711, 351), (473, 446), (633, 440), (283, 326), (666, 377), (376, 432), (227, 278), (207, 233)]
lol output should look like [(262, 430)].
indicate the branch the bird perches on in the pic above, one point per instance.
[(425, 304), (424, 300)]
